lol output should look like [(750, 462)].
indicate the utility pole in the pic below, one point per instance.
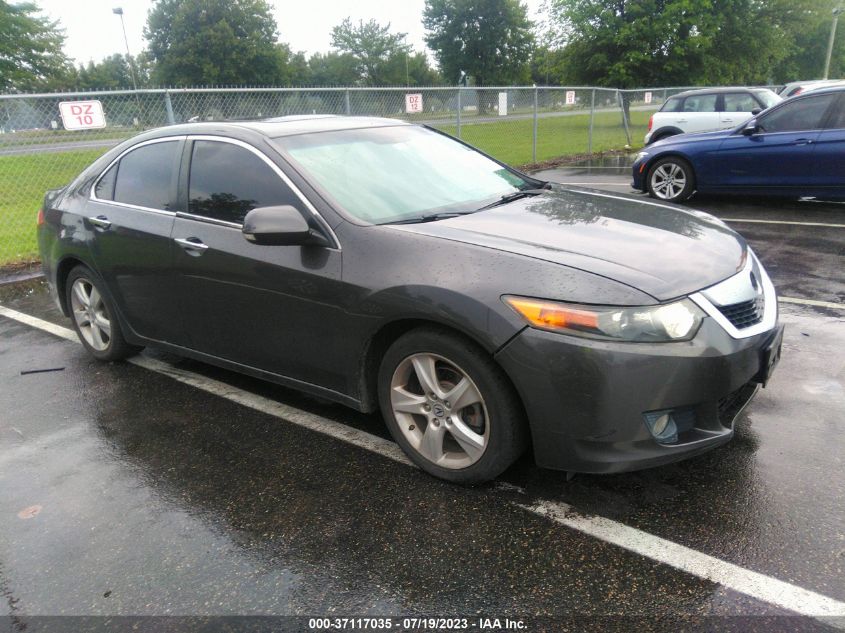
[(119, 11), (836, 13)]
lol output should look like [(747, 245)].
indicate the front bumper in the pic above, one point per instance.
[(639, 174), (585, 399)]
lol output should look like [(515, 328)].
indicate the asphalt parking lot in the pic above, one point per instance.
[(164, 487)]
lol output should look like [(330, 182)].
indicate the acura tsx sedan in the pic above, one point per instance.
[(387, 266)]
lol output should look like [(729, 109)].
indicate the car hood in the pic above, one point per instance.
[(658, 249), (693, 136)]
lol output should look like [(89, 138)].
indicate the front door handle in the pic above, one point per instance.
[(803, 141), (101, 222), (193, 245)]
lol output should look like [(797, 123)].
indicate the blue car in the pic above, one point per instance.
[(795, 148)]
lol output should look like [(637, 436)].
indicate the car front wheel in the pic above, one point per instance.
[(450, 407), (671, 179)]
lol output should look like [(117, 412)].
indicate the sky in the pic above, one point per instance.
[(93, 31)]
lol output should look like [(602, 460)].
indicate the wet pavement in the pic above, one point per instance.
[(124, 492)]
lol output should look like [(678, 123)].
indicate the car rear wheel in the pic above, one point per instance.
[(671, 179), (93, 316), (450, 407)]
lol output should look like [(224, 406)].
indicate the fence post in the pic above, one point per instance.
[(534, 141), (624, 118), (458, 118), (592, 116), (346, 103), (169, 107)]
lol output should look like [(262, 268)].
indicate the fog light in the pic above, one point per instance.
[(662, 426)]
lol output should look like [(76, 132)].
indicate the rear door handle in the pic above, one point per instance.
[(101, 222), (193, 245), (803, 141)]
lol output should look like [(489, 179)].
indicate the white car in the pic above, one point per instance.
[(707, 110), (798, 87)]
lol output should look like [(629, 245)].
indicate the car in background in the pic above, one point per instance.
[(387, 266), (707, 109), (796, 148), (797, 87)]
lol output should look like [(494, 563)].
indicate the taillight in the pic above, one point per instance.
[(650, 122), (40, 219)]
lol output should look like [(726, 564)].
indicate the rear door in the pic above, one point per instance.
[(130, 214), (781, 154), (275, 308), (829, 155), (698, 113)]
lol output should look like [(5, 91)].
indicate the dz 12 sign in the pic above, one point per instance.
[(570, 97), (413, 103), (82, 115)]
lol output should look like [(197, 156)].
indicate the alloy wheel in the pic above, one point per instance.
[(439, 410), (90, 314), (668, 181)]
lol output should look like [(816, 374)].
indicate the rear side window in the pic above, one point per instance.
[(700, 103), (802, 114), (838, 120), (228, 181), (105, 185), (672, 105), (740, 102), (145, 175)]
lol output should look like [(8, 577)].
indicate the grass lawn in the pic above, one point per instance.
[(23, 181), (25, 178)]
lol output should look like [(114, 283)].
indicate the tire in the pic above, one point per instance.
[(662, 136), (469, 439), (94, 317), (671, 179)]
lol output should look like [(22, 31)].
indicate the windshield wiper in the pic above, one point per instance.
[(430, 217), (516, 195)]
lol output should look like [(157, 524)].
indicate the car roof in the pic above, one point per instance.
[(284, 125), (701, 91)]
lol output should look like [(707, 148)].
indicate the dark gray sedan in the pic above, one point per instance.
[(388, 266)]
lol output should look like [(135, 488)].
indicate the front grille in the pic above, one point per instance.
[(744, 314)]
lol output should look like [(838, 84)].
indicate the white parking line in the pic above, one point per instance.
[(753, 221), (759, 586), (813, 302)]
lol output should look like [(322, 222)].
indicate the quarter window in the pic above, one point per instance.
[(228, 181), (145, 175), (105, 185), (740, 102), (672, 105), (802, 114)]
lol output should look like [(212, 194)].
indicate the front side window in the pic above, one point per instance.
[(145, 175), (389, 174), (227, 182), (700, 103), (740, 102), (802, 114)]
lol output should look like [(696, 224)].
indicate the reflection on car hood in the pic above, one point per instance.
[(659, 249), (693, 136)]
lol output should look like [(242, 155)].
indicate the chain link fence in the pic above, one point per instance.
[(518, 125)]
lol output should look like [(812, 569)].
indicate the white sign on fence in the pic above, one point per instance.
[(503, 104), (570, 97), (413, 103), (82, 115), (648, 97)]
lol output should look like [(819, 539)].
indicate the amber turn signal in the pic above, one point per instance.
[(553, 316)]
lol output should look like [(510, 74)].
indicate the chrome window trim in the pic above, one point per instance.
[(770, 307), (316, 214), (203, 218), (93, 195)]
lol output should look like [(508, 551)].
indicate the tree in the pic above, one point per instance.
[(231, 42), (112, 73), (333, 69), (490, 40), (31, 56), (372, 46)]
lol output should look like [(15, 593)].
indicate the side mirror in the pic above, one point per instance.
[(756, 111), (751, 128), (279, 226)]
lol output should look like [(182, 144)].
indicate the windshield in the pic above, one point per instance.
[(390, 174), (768, 97)]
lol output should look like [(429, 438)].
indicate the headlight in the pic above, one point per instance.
[(678, 321)]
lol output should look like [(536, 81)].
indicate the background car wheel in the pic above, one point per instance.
[(671, 179), (450, 407), (662, 136), (93, 316)]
